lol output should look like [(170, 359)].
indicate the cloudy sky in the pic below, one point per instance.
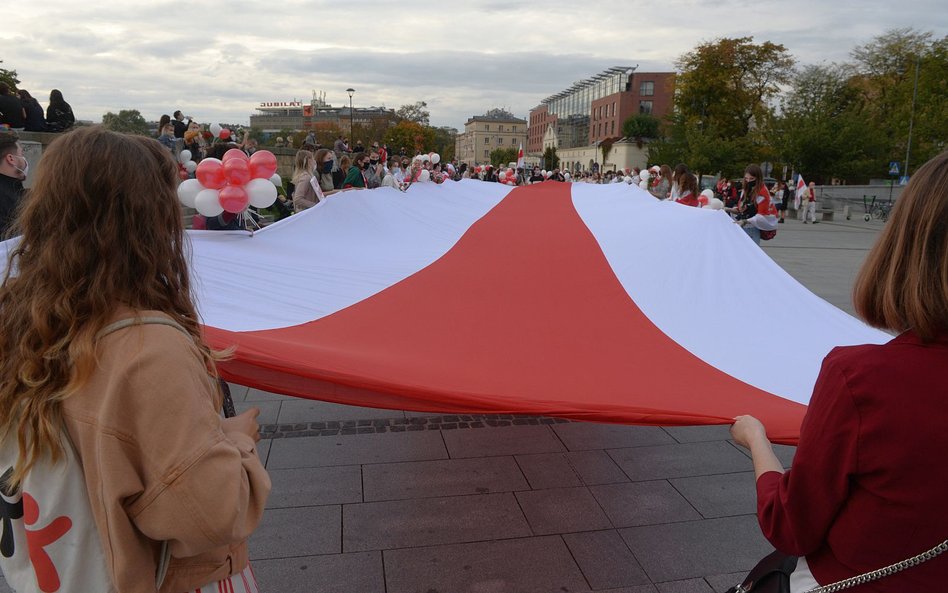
[(217, 60)]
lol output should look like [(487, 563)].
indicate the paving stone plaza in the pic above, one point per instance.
[(382, 501)]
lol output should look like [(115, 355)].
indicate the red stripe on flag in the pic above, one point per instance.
[(523, 315)]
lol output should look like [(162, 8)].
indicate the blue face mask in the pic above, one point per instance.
[(327, 167)]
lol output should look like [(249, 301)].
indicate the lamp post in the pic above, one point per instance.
[(351, 92), (908, 149)]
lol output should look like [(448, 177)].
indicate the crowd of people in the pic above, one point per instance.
[(21, 112)]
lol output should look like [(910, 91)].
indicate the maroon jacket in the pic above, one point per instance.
[(869, 479)]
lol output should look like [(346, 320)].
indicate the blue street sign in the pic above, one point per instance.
[(904, 180), (894, 168)]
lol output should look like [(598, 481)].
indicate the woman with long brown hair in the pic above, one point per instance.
[(103, 373), (869, 477)]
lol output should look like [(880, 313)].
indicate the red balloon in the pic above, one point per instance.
[(234, 199), (263, 164), (235, 153), (509, 171), (183, 174), (225, 134), (210, 172), (237, 172), (703, 200)]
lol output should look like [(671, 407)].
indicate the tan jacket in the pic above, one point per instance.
[(158, 466)]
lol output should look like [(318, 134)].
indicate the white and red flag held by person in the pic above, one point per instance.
[(800, 192), (591, 302), (520, 157)]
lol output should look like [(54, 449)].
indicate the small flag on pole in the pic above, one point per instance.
[(801, 188), (520, 157)]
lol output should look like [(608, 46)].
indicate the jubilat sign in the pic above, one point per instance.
[(282, 104)]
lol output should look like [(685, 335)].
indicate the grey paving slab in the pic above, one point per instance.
[(237, 392), (313, 486), (530, 565), (303, 531), (596, 467), (431, 521), (722, 582), (636, 589), (685, 586), (699, 434), (4, 587), (605, 560), (548, 470), (269, 410), (258, 395), (680, 460), (263, 450), (562, 510), (512, 440), (308, 410), (677, 551), (337, 573), (583, 436), (784, 453), (451, 477), (356, 449), (721, 495), (643, 503)]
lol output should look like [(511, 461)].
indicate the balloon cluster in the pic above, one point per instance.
[(507, 177), (220, 132), (421, 170), (186, 166), (232, 183)]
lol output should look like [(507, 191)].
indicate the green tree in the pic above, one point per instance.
[(9, 77), (414, 112), (126, 121), (500, 157), (641, 126), (411, 136), (885, 73), (445, 137), (550, 160)]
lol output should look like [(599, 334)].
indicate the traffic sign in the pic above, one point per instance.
[(766, 168), (904, 180), (894, 168)]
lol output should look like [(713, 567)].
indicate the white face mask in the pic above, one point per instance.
[(26, 166)]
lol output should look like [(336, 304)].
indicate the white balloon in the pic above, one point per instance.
[(215, 130), (262, 193), (188, 190), (502, 175), (424, 176), (715, 204), (424, 158), (435, 158), (275, 180), (208, 202), (184, 156), (191, 166), (643, 184), (543, 172)]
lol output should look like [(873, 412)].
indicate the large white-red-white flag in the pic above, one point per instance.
[(592, 302)]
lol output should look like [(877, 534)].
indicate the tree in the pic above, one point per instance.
[(550, 160), (9, 77), (500, 157), (729, 83), (414, 112), (445, 137), (641, 126), (127, 121), (410, 136)]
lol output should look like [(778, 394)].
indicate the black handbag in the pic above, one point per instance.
[(771, 575)]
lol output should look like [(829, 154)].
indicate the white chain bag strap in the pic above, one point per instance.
[(875, 575)]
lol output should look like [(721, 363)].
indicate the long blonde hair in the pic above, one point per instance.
[(303, 165), (101, 229)]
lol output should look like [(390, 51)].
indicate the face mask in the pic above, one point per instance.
[(327, 167), (365, 166), (374, 162), (26, 167)]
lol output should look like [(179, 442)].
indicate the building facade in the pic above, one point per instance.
[(593, 110), (484, 133), (272, 117)]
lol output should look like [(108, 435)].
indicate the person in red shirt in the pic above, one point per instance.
[(869, 477)]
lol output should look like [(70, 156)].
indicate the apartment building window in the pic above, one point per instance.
[(486, 154), (647, 88), (487, 140), (614, 103), (500, 140), (487, 127), (613, 127), (645, 107)]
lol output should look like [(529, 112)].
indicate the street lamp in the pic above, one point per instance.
[(351, 92), (908, 149)]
